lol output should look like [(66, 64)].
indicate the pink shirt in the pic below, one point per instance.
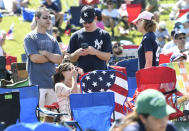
[(62, 93), (100, 24)]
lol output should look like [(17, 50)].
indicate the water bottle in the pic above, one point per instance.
[(53, 19)]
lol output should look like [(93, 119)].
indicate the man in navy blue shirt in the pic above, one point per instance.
[(90, 47)]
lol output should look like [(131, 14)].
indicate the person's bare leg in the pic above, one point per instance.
[(61, 19), (14, 7), (112, 24)]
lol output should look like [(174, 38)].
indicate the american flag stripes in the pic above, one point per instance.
[(107, 80)]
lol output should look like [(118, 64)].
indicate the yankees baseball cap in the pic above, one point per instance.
[(87, 14)]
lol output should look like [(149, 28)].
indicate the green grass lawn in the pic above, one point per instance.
[(21, 28)]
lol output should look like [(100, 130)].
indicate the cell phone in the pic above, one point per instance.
[(84, 45)]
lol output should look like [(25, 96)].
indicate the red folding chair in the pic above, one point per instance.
[(164, 58), (131, 51), (182, 12), (162, 79), (133, 11), (89, 2), (9, 60)]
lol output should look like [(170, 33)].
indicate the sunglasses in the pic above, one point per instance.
[(182, 38), (139, 21), (71, 68), (45, 18), (116, 46), (87, 22)]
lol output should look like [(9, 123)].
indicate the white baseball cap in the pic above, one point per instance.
[(144, 15)]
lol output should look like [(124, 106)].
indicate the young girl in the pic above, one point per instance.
[(148, 51), (66, 83)]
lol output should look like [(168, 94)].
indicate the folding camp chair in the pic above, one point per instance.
[(131, 66), (93, 110), (10, 109), (107, 81), (133, 11), (130, 51), (27, 14), (164, 58), (23, 57), (162, 79), (92, 2), (19, 72), (182, 75), (37, 127), (9, 60), (29, 97), (182, 12), (75, 15), (2, 67), (182, 72)]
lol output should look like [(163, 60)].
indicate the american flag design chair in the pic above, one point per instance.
[(107, 81)]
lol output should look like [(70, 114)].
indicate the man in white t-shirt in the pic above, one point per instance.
[(180, 41), (110, 16)]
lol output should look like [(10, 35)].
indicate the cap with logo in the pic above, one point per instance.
[(144, 15), (87, 14), (153, 102)]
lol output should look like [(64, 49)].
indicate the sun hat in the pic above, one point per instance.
[(176, 56), (144, 15), (87, 14), (153, 102)]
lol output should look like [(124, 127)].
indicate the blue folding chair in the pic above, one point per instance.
[(108, 81), (2, 67), (23, 57), (132, 85), (131, 66), (93, 110), (29, 98), (9, 109), (36, 127), (75, 15)]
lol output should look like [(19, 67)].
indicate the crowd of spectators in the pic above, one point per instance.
[(91, 47)]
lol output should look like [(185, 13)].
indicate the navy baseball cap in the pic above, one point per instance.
[(87, 14)]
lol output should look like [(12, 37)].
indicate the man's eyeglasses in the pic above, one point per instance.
[(48, 17), (182, 38)]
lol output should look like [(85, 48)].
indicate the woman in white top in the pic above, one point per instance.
[(66, 83)]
